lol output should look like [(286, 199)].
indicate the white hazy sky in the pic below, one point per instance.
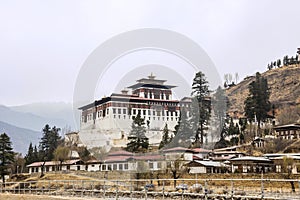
[(43, 44)]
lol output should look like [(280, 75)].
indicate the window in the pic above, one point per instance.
[(151, 165), (114, 111), (103, 167), (124, 111), (115, 167), (107, 111), (149, 112), (78, 167), (119, 111), (153, 112), (134, 111), (126, 166), (109, 167), (120, 166), (139, 112), (159, 165), (278, 168), (144, 112)]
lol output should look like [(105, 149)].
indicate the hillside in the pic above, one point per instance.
[(35, 117), (20, 137), (58, 113), (284, 86)]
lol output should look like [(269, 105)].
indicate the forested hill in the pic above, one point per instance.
[(284, 84)]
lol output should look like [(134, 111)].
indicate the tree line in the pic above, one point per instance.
[(286, 61)]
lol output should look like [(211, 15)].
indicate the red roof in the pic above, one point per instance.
[(201, 150), (117, 158), (149, 157), (224, 157)]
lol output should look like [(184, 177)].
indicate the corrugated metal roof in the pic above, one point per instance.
[(53, 163), (251, 158), (209, 163)]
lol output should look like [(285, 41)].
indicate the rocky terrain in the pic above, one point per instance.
[(284, 86)]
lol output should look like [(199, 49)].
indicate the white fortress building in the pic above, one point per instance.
[(107, 122)]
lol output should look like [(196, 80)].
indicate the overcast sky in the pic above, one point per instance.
[(43, 44)]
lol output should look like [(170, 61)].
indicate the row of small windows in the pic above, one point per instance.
[(158, 113), (124, 111), (124, 166), (157, 96), (149, 118)]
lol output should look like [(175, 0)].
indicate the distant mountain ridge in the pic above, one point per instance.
[(284, 86), (20, 137), (24, 123), (35, 116)]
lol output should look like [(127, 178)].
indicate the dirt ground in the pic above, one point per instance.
[(39, 197)]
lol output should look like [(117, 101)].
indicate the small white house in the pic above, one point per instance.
[(207, 166), (50, 166)]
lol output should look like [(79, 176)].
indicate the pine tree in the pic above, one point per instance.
[(6, 155), (137, 139), (219, 105), (35, 154), (257, 104), (183, 132), (243, 126), (278, 63), (29, 158), (165, 138), (200, 92), (49, 142)]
